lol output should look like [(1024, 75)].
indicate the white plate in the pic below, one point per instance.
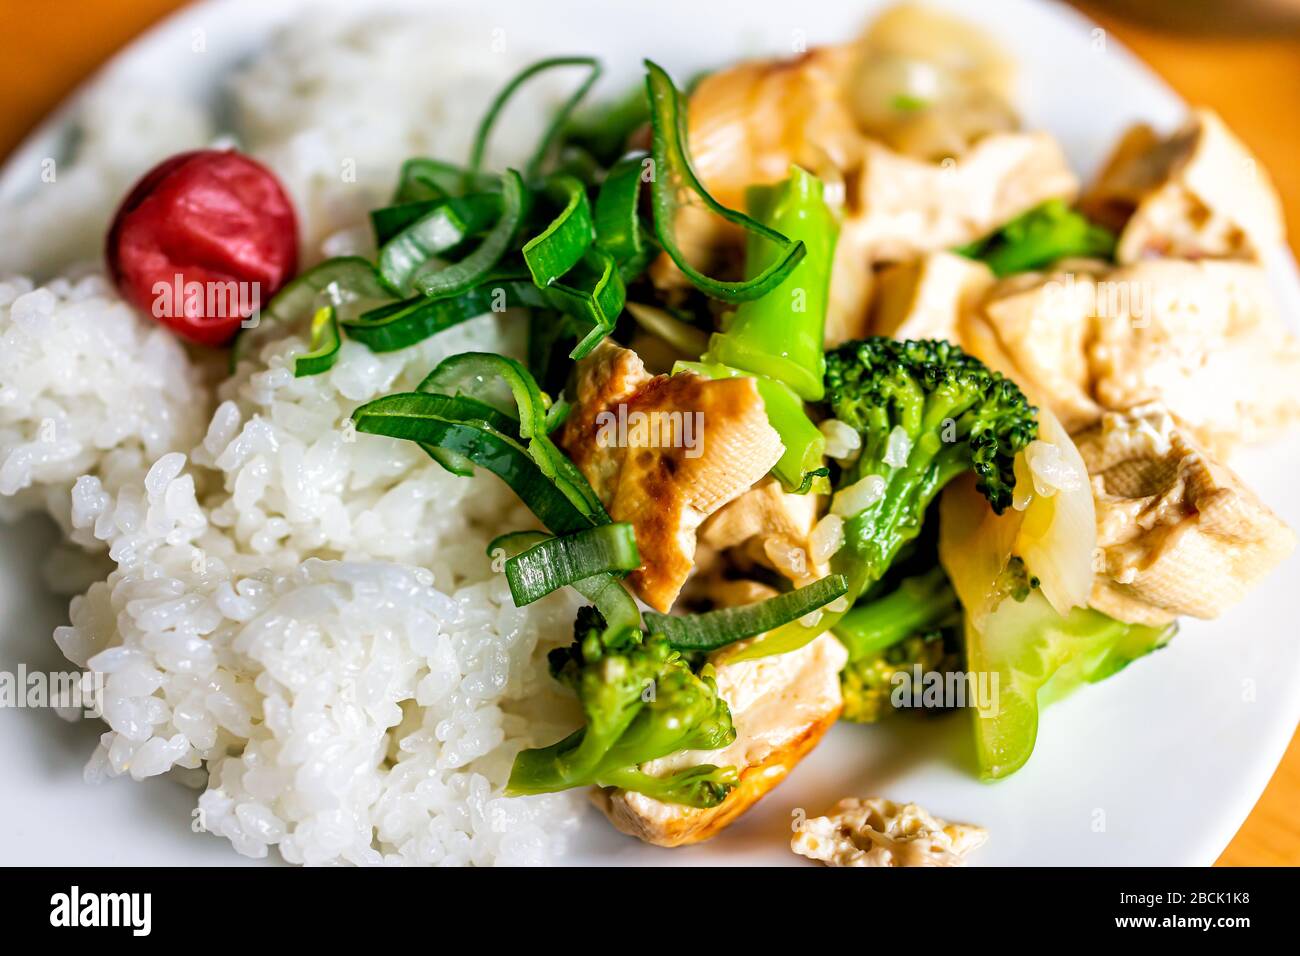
[(1158, 765)]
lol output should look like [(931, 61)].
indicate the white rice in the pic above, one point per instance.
[(86, 388), (305, 613)]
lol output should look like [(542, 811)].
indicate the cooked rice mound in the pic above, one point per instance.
[(300, 620), (322, 627), (87, 387)]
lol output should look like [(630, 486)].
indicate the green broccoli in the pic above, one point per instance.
[(926, 412), (868, 684), (918, 623), (642, 701), (1040, 237)]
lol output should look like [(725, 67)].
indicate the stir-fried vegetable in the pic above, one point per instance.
[(1013, 632), (675, 177), (1041, 236), (926, 412), (441, 227), (1036, 655), (716, 629), (778, 338), (325, 344), (487, 410), (641, 701), (458, 242), (603, 589), (916, 624), (397, 325), (441, 281), (603, 131), (780, 335), (347, 283), (552, 563), (558, 121)]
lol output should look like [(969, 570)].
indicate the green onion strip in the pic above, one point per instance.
[(325, 344), (716, 629), (557, 122), (605, 590), (551, 564), (674, 176)]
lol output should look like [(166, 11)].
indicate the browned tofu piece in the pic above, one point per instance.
[(1177, 532), (926, 298), (905, 207), (1198, 193), (1202, 338), (663, 453)]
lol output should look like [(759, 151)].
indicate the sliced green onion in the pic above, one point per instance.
[(445, 225), (593, 293), (564, 241), (503, 383), (674, 176), (468, 272), (716, 629), (432, 179), (325, 344), (400, 324), (545, 330), (557, 414), (474, 375), (459, 426), (605, 591), (470, 410), (551, 564), (612, 599), (388, 221), (618, 219), (558, 121), (346, 282)]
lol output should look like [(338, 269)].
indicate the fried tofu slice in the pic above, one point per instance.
[(663, 453), (1202, 338), (927, 297), (781, 705), (1199, 193), (904, 207), (770, 527), (766, 509), (1043, 324), (1177, 532)]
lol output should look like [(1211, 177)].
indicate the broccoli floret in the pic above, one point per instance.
[(916, 624), (947, 413), (642, 701), (926, 412), (868, 684)]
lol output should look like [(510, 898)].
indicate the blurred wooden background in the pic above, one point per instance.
[(1247, 68)]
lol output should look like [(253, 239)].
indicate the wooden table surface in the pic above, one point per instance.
[(1254, 83)]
